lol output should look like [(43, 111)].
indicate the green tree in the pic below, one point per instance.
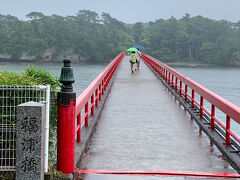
[(96, 39), (207, 52)]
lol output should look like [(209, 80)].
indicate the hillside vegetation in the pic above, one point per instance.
[(88, 37)]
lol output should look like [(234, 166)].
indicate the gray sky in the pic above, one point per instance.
[(128, 11)]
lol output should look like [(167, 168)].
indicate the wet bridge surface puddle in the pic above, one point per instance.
[(142, 127)]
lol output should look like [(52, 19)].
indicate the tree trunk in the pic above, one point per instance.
[(189, 52)]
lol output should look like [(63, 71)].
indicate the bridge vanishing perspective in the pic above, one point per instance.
[(147, 124)]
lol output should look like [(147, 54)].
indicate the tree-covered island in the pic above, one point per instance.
[(88, 37)]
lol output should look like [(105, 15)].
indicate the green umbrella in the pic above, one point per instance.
[(132, 49)]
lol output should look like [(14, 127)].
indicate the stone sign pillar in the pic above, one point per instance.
[(30, 141)]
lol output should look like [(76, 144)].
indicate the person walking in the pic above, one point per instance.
[(133, 60), (138, 58)]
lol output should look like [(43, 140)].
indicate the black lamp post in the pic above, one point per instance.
[(67, 78)]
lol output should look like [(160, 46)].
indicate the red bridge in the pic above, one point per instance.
[(149, 123)]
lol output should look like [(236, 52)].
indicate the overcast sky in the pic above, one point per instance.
[(128, 11)]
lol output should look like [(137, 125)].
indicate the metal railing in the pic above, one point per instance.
[(70, 108), (94, 91), (10, 97), (177, 81)]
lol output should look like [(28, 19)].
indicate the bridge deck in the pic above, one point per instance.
[(143, 128)]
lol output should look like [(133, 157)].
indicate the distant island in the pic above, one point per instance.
[(90, 38)]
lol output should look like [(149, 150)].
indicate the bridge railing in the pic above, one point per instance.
[(70, 108), (182, 84), (94, 93)]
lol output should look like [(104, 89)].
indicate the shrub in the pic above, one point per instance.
[(31, 76)]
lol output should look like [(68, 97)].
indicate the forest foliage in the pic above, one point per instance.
[(97, 39)]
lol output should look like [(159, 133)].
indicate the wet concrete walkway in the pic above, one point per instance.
[(143, 128)]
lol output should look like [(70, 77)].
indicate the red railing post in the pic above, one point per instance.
[(86, 113), (169, 78), (201, 107), (92, 105), (66, 121), (176, 84), (108, 77), (172, 80), (227, 131), (79, 130), (212, 117), (106, 80), (180, 89), (186, 92), (96, 96), (193, 92), (103, 87), (100, 92)]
